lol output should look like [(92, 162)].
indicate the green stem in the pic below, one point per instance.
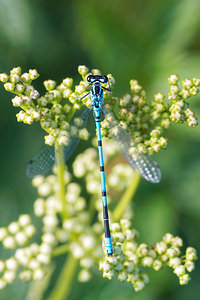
[(60, 161), (64, 282), (126, 198), (60, 250), (70, 115)]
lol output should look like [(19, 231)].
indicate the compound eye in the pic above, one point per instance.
[(104, 79), (98, 77), (90, 78)]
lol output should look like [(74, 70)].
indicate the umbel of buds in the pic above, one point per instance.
[(131, 259), (144, 121)]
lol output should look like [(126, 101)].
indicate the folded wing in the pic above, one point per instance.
[(143, 164), (43, 162)]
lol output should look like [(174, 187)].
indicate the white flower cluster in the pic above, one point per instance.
[(179, 108), (141, 120), (56, 120), (129, 258), (20, 84), (17, 233), (27, 263), (120, 177), (124, 264), (169, 251), (180, 114), (54, 117), (74, 231)]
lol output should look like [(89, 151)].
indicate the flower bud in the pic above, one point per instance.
[(3, 233), (173, 79), (68, 82), (3, 284), (159, 98), (14, 78), (184, 279), (84, 275), (26, 78), (196, 81), (194, 91), (9, 276), (3, 77), (83, 70), (179, 270), (19, 88), (16, 71), (33, 74), (49, 84), (25, 275), (9, 242), (38, 274), (10, 87), (49, 140), (157, 265)]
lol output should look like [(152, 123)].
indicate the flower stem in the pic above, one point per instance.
[(60, 250), (60, 161), (126, 198), (64, 282)]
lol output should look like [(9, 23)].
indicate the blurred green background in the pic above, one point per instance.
[(145, 40)]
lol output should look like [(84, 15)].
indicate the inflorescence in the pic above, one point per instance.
[(79, 231), (131, 259), (145, 122)]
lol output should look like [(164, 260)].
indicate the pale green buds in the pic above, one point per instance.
[(4, 77), (187, 84), (196, 81), (26, 78), (66, 93), (19, 88), (16, 71), (33, 74), (159, 98), (68, 82), (14, 78), (49, 85), (135, 87), (10, 87), (83, 70), (173, 79), (17, 101)]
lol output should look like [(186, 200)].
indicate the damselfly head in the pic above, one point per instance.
[(100, 78)]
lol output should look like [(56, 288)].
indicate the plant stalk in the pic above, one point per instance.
[(126, 198), (63, 285), (60, 250), (60, 162)]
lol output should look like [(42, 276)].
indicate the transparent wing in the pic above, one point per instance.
[(142, 163), (43, 162)]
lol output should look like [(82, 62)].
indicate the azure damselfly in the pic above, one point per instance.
[(143, 164)]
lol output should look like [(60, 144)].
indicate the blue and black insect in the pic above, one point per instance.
[(43, 162), (96, 94)]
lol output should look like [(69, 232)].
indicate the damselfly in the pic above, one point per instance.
[(143, 164)]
